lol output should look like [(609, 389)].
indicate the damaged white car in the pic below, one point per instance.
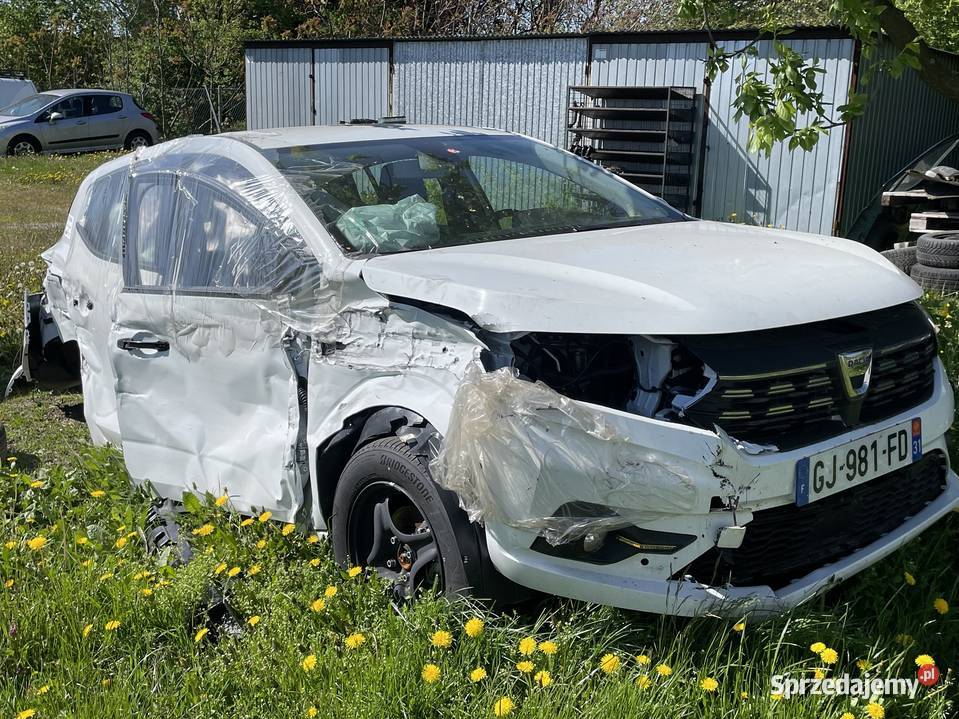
[(476, 358)]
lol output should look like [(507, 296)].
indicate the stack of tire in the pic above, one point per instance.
[(933, 263)]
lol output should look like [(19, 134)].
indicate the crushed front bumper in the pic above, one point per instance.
[(745, 484)]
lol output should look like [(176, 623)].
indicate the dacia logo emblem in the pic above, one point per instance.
[(855, 369)]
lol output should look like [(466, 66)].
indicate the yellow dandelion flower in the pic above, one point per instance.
[(864, 665), (254, 620), (543, 678), (221, 500), (817, 647), (265, 517), (941, 605), (643, 660), (198, 637), (253, 570), (37, 543), (219, 568), (233, 571), (330, 592), (204, 531), (924, 659), (829, 655), (288, 529), (261, 544), (246, 522), (708, 684), (27, 713), (503, 706), (97, 493), (43, 690), (441, 639), (318, 605), (477, 675), (105, 576), (309, 663), (81, 540), (609, 663), (355, 641), (8, 584), (86, 630), (146, 592), (312, 711), (474, 627), (664, 670), (9, 544), (36, 484), (106, 682), (643, 681), (549, 648), (847, 715), (875, 710), (909, 579), (112, 625), (87, 563), (315, 562), (739, 627), (354, 571), (744, 695), (527, 645), (525, 666), (431, 673), (776, 696), (313, 539), (120, 543), (818, 674)]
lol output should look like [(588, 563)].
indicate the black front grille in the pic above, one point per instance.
[(783, 387), (784, 544)]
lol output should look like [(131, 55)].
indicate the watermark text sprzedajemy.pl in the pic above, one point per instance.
[(846, 685)]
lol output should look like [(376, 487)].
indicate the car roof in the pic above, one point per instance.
[(65, 92), (333, 134)]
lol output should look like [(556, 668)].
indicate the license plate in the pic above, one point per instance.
[(858, 462)]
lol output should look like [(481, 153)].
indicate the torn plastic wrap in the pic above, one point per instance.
[(517, 453)]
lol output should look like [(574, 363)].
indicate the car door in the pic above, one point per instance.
[(206, 388), (107, 120), (69, 132)]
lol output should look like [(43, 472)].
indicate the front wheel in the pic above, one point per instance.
[(23, 145), (389, 515)]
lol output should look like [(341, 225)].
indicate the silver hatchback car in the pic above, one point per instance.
[(75, 121)]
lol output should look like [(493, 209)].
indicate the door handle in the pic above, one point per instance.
[(131, 345)]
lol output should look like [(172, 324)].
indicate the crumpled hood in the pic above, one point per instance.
[(677, 278)]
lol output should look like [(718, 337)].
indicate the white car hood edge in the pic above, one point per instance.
[(666, 279)]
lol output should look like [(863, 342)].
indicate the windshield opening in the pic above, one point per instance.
[(386, 196), (27, 106)]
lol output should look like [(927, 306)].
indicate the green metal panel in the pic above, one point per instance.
[(904, 116)]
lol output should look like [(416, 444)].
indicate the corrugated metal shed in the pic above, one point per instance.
[(903, 118), (517, 85), (278, 87), (794, 190), (351, 82)]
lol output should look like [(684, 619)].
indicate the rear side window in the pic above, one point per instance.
[(149, 262), (101, 225), (102, 104), (222, 244)]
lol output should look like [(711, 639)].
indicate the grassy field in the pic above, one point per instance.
[(93, 626)]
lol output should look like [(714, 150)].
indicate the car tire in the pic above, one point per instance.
[(904, 258), (938, 250), (938, 279), (137, 139), (388, 514), (23, 145)]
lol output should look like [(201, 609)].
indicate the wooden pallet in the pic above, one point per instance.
[(933, 221)]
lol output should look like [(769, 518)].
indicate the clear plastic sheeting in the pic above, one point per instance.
[(409, 224), (520, 454)]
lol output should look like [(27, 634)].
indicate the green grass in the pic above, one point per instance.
[(153, 666)]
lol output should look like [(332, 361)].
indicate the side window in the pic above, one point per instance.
[(101, 226), (102, 104), (70, 108), (222, 244), (149, 260)]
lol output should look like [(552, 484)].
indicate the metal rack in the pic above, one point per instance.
[(646, 135)]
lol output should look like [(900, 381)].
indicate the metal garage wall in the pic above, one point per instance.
[(903, 118), (277, 87), (351, 82), (517, 84), (674, 63), (795, 190)]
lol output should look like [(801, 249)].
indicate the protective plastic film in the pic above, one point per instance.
[(520, 454)]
